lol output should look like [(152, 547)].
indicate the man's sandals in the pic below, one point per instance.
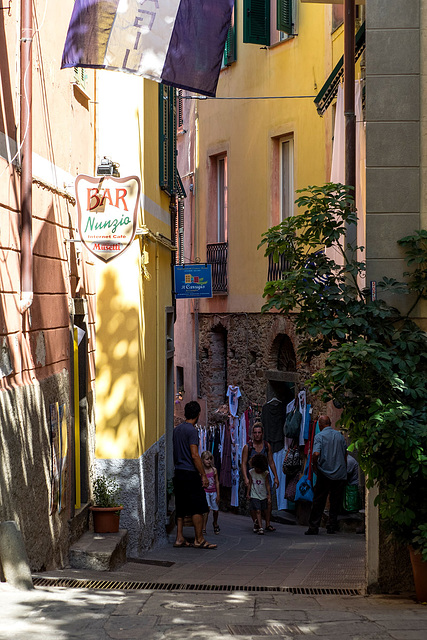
[(181, 545), (205, 545)]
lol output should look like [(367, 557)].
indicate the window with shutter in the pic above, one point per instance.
[(256, 21), (230, 51), (287, 194), (180, 234), (167, 138), (284, 16), (180, 110)]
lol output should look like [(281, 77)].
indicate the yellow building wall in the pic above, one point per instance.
[(130, 326), (249, 131)]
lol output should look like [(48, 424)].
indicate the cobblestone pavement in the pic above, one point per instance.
[(74, 614), (283, 558)]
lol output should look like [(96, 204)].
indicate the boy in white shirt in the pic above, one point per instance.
[(259, 488)]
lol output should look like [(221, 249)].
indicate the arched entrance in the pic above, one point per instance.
[(281, 374)]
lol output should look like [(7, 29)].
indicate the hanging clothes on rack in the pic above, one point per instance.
[(302, 400), (242, 435), (234, 438), (225, 477), (273, 418), (233, 394), (307, 422), (216, 449), (278, 458)]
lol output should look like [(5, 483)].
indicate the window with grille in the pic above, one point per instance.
[(180, 110), (180, 234), (286, 173)]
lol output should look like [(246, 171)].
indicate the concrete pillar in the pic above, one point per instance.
[(13, 557), (372, 540)]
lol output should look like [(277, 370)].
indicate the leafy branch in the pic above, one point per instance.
[(375, 356)]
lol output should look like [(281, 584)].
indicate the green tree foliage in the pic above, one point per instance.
[(375, 356)]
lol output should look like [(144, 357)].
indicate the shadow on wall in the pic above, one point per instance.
[(117, 350), (25, 462)]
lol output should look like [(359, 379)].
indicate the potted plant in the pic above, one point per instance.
[(106, 508)]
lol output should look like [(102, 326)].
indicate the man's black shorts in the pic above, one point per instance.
[(190, 497)]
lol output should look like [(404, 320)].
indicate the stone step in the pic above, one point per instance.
[(99, 551)]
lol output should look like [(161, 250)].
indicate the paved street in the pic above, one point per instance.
[(67, 614), (284, 558)]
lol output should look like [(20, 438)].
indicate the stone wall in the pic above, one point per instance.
[(254, 351), (143, 482), (25, 462)]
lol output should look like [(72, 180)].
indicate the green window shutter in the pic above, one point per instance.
[(167, 138), (163, 137), (180, 110), (256, 21), (284, 16), (230, 51), (172, 139)]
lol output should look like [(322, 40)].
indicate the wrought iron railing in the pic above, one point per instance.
[(217, 257), (277, 269)]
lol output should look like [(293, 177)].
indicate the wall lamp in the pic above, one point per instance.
[(108, 168)]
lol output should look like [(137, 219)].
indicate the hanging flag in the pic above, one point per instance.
[(177, 42)]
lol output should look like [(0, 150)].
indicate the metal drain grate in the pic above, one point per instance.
[(155, 563), (116, 585), (263, 630)]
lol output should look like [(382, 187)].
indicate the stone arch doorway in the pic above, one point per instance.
[(281, 374), (218, 366)]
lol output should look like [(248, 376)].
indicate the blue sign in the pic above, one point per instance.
[(193, 281)]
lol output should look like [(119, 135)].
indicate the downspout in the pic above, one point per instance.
[(26, 137), (196, 253), (173, 208), (349, 112)]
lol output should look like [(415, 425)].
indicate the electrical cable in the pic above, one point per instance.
[(245, 98)]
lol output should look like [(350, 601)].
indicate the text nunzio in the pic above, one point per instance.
[(97, 199)]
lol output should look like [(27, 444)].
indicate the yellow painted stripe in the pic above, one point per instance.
[(77, 422)]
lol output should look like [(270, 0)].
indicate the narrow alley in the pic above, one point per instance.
[(284, 558), (175, 607)]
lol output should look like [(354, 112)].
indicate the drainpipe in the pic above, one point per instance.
[(173, 208), (26, 155), (349, 107)]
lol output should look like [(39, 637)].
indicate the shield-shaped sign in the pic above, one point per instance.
[(107, 213)]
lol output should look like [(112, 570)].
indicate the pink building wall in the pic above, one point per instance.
[(35, 347)]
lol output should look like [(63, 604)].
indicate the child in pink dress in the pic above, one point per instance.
[(212, 490)]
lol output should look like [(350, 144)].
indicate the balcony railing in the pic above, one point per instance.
[(217, 257), (277, 269)]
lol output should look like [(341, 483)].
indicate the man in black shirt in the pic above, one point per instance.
[(190, 479)]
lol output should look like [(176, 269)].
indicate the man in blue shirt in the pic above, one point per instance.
[(189, 479), (330, 465)]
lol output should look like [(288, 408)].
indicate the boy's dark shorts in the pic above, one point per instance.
[(259, 505)]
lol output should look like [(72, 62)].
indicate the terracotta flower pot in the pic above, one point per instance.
[(106, 519), (419, 569)]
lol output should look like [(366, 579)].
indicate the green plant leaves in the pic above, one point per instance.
[(106, 491), (375, 357)]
